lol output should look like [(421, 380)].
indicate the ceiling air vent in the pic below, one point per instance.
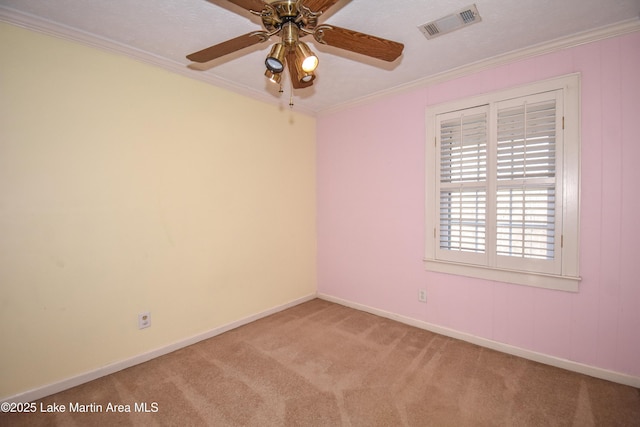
[(446, 24)]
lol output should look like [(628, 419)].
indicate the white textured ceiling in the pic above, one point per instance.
[(164, 31)]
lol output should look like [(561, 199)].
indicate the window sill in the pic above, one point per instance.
[(547, 281)]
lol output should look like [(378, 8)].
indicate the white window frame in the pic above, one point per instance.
[(562, 273)]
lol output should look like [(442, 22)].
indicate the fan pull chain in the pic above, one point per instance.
[(290, 94)]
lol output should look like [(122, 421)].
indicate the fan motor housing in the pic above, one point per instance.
[(285, 7), (278, 12)]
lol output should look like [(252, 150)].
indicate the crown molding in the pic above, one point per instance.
[(43, 26), (618, 29)]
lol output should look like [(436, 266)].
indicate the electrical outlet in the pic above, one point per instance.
[(144, 320), (422, 295)]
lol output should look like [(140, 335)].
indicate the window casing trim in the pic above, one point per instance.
[(567, 277), (517, 277)]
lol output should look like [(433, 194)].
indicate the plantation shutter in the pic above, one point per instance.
[(462, 142), (527, 204), (503, 185)]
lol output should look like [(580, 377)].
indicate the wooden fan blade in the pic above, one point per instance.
[(354, 41), (293, 73), (255, 5), (225, 48), (319, 5)]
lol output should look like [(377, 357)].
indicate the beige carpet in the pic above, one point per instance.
[(320, 363)]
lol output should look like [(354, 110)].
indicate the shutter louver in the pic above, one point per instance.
[(527, 141), (526, 170), (463, 174), (463, 149), (462, 220), (526, 222)]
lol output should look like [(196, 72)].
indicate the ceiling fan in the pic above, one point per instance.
[(292, 20)]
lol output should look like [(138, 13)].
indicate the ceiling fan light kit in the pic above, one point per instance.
[(275, 60), (292, 20), (308, 60), (273, 77)]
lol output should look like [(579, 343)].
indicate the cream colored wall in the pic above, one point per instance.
[(125, 188)]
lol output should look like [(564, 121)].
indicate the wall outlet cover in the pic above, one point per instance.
[(422, 295), (144, 320)]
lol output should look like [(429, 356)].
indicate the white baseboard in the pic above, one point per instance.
[(40, 392), (495, 345), (47, 390)]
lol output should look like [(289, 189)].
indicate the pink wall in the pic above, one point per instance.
[(371, 209)]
